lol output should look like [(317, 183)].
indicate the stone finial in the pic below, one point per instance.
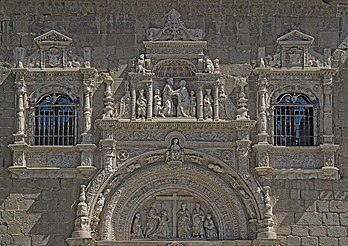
[(242, 100), (81, 229)]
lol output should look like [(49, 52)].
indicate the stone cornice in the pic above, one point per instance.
[(306, 71), (174, 124)]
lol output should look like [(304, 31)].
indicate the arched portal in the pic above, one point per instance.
[(142, 199)]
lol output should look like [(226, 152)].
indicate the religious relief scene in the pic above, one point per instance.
[(173, 123)]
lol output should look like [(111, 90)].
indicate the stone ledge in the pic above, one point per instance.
[(256, 242), (327, 173), (80, 172)]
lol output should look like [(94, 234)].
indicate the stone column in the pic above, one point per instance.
[(108, 153), (200, 102), (133, 101), (108, 100), (20, 104), (266, 230), (149, 100), (216, 100), (262, 85)]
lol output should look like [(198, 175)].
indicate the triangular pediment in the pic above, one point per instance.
[(53, 38), (295, 37)]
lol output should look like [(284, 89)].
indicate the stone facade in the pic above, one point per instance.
[(157, 122)]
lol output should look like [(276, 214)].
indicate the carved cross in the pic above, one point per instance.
[(174, 198)]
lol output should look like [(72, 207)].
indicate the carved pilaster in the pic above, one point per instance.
[(327, 112), (108, 100), (243, 154), (133, 100), (87, 108), (149, 100), (262, 85), (108, 153), (200, 102), (216, 100), (329, 159)]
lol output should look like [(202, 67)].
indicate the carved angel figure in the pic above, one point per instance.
[(197, 221), (184, 222), (210, 229), (141, 104)]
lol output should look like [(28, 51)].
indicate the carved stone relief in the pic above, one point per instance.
[(294, 159)]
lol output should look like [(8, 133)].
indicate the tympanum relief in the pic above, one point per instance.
[(174, 216)]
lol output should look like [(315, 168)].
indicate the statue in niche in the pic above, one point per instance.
[(210, 230), (168, 92), (175, 153), (184, 222), (140, 68), (209, 66), (136, 227), (227, 109), (157, 105), (207, 105), (193, 104), (197, 222), (183, 109), (152, 222), (163, 227), (141, 104)]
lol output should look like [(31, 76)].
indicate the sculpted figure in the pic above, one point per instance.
[(163, 227), (184, 222), (183, 100), (157, 104), (141, 103), (175, 152), (152, 222), (193, 104), (140, 68), (168, 108), (210, 229), (207, 102), (197, 221), (136, 228), (209, 66)]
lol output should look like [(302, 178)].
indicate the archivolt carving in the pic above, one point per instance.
[(163, 178), (35, 96), (174, 68)]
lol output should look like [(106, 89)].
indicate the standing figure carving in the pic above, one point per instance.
[(197, 221), (207, 105), (136, 228), (141, 104), (140, 68), (193, 104), (152, 222), (163, 227), (157, 107), (209, 66), (183, 109), (210, 229), (168, 107), (184, 222)]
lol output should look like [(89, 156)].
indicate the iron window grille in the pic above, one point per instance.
[(294, 120), (55, 120)]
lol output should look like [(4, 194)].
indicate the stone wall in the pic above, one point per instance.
[(42, 211)]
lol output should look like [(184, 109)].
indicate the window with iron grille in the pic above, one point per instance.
[(294, 120), (55, 120)]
